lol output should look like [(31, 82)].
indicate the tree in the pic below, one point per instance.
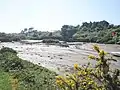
[(67, 32)]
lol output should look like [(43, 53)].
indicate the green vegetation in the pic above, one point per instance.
[(50, 41), (87, 77), (4, 81), (23, 75), (100, 32), (9, 37)]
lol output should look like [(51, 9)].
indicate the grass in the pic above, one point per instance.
[(4, 81), (29, 75)]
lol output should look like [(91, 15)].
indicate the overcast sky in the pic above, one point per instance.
[(47, 15)]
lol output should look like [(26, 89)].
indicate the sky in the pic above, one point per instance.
[(50, 15)]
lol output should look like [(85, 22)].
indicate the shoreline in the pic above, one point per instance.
[(55, 57)]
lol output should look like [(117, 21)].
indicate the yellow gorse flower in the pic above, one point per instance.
[(75, 66), (101, 53), (91, 57), (96, 48), (58, 77), (59, 80)]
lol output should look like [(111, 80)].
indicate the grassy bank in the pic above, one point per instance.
[(4, 81), (21, 74)]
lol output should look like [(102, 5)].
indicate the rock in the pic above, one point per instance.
[(61, 58)]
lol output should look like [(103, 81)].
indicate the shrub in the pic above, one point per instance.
[(9, 59), (25, 75), (6, 49), (50, 41), (87, 77)]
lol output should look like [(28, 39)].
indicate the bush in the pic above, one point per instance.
[(100, 77), (111, 42), (25, 75), (10, 61), (50, 41), (6, 49)]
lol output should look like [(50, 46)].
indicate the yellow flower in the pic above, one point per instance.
[(59, 77), (102, 53), (75, 66), (90, 82), (96, 47), (91, 57), (59, 82), (73, 84), (79, 73)]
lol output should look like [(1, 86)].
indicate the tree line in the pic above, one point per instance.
[(99, 32)]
